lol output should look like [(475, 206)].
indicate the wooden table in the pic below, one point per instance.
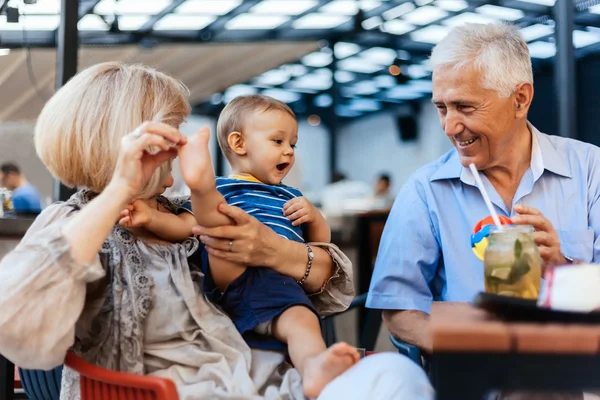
[(474, 353)]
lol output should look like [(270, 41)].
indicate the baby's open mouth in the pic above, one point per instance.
[(282, 166)]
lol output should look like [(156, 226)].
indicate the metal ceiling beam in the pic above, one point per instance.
[(86, 7)]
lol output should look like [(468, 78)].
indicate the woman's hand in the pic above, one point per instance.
[(136, 164), (248, 242)]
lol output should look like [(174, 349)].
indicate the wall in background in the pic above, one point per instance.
[(372, 145)]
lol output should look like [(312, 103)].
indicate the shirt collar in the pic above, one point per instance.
[(544, 156)]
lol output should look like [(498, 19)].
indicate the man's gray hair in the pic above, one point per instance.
[(497, 50)]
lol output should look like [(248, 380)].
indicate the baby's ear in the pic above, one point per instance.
[(236, 143)]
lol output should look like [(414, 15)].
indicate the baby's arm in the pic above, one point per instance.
[(174, 228), (319, 230), (165, 225), (300, 211)]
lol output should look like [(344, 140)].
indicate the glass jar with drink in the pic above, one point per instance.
[(512, 263)]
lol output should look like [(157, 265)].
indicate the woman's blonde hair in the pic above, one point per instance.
[(79, 131)]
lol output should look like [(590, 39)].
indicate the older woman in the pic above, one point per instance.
[(125, 300)]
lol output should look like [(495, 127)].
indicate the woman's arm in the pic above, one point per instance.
[(255, 244), (43, 291), (43, 280)]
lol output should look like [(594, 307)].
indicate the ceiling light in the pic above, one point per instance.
[(41, 7), (347, 112), (132, 22), (254, 21), (237, 90), (323, 100), (344, 49), (31, 23), (274, 77), (282, 95), (398, 11), (317, 59), (372, 22), (424, 86), (312, 82), (284, 7), (178, 22), (541, 49), (122, 7), (294, 69), (212, 7), (584, 38), (314, 120), (366, 105), (384, 81), (430, 34), (403, 92), (320, 21), (468, 18), (349, 7), (452, 5), (505, 13), (344, 76), (548, 3), (92, 22), (359, 64), (379, 55), (536, 31), (397, 27), (425, 15), (417, 71)]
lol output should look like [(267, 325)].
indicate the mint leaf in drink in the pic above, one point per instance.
[(518, 249)]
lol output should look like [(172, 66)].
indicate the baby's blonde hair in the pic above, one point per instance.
[(79, 131)]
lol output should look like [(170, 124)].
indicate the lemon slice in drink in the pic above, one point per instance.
[(501, 273)]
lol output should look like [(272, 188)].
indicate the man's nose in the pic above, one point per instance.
[(453, 124)]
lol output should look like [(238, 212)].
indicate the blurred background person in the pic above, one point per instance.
[(383, 196), (25, 196)]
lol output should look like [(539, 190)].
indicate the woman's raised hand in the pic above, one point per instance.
[(136, 163)]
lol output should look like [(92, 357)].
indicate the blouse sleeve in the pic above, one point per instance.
[(43, 290), (338, 292)]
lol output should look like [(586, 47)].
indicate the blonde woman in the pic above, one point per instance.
[(122, 298)]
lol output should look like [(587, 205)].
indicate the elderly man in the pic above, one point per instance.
[(482, 88)]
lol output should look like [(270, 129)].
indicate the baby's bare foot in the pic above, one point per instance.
[(325, 367)]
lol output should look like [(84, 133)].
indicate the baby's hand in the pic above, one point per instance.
[(300, 211), (137, 214)]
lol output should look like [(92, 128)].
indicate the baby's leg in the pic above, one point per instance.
[(318, 365)]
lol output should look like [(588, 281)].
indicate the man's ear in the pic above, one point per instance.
[(523, 98), (236, 143)]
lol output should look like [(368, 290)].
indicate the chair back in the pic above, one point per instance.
[(99, 383), (41, 385)]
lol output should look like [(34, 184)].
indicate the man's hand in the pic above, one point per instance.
[(137, 214), (544, 235), (300, 211)]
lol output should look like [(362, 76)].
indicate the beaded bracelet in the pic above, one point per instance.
[(311, 257)]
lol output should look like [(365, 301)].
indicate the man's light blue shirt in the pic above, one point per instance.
[(425, 252)]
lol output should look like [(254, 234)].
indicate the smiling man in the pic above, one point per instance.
[(482, 88)]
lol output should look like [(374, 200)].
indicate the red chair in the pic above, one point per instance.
[(99, 383)]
